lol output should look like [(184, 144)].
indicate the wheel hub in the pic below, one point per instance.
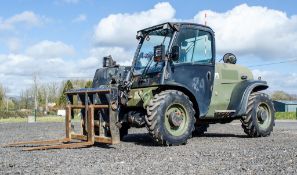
[(262, 115), (175, 119)]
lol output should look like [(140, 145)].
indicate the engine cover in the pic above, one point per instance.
[(105, 75)]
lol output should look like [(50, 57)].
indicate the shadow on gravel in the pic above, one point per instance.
[(139, 139), (145, 139), (102, 145), (222, 135), (99, 145)]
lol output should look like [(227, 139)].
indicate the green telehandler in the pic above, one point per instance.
[(174, 88)]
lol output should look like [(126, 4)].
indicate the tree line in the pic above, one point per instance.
[(53, 94), (281, 95), (48, 95)]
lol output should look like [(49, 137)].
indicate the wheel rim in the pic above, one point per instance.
[(263, 115), (176, 119)]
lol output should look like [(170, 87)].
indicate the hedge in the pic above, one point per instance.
[(16, 114), (286, 115)]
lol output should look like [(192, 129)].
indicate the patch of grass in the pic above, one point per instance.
[(285, 115), (51, 118), (13, 120)]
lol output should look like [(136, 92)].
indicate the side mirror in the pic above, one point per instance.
[(139, 35), (175, 53), (159, 53)]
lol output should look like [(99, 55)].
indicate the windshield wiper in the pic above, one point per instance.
[(147, 67), (151, 58)]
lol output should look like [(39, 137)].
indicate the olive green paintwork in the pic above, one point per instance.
[(140, 97), (226, 77)]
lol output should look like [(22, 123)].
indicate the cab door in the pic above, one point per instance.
[(195, 67)]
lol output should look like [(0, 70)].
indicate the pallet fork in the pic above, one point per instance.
[(90, 101)]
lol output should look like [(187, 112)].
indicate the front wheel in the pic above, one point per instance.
[(259, 119), (170, 119)]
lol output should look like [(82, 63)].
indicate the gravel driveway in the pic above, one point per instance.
[(223, 150)]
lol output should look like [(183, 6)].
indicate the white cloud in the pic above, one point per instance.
[(13, 44), (15, 64), (276, 80), (120, 55), (18, 70), (120, 29), (80, 18), (256, 30), (27, 18), (244, 30), (46, 59), (23, 65), (50, 49)]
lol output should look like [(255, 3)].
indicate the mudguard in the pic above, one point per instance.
[(240, 95), (190, 93)]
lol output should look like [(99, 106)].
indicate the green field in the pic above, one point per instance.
[(285, 115), (278, 116), (51, 118)]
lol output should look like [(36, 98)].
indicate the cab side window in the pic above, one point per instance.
[(195, 46)]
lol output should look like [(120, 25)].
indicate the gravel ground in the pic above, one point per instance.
[(223, 150)]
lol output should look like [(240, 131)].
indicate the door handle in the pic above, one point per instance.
[(208, 75)]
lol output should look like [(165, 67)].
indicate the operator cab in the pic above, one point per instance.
[(177, 42), (179, 55)]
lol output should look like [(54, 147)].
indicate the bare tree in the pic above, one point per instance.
[(53, 92), (26, 98), (281, 95), (2, 96), (35, 94)]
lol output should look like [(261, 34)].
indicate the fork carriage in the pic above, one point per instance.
[(99, 108)]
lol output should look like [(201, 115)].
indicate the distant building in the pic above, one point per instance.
[(61, 112), (51, 105), (285, 106)]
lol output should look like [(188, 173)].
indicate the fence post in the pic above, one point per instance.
[(296, 113)]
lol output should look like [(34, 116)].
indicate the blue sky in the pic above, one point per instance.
[(67, 38)]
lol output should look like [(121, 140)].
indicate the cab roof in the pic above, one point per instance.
[(175, 26)]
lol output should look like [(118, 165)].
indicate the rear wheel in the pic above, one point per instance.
[(170, 119), (259, 120)]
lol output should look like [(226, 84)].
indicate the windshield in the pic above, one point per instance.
[(144, 61)]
